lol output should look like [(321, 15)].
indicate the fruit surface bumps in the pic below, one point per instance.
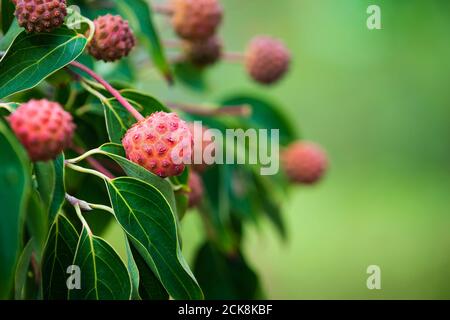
[(267, 60), (40, 15), (203, 53), (196, 19), (195, 196), (43, 127), (161, 143), (113, 38), (304, 162)]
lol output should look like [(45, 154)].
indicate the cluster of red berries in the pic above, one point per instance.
[(196, 22), (162, 143)]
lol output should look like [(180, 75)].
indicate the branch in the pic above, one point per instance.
[(163, 9), (110, 89), (239, 110)]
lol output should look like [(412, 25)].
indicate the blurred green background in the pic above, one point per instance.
[(379, 102)]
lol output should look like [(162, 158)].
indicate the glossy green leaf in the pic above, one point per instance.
[(225, 277), (140, 15), (103, 274), (265, 115), (33, 57), (58, 255), (119, 120), (134, 273), (14, 190), (147, 285), (182, 200), (22, 271), (117, 153), (144, 103), (151, 225), (37, 222), (50, 178), (13, 31)]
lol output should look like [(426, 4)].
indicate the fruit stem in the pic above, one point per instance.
[(74, 201), (102, 207), (94, 163), (236, 57), (238, 110), (87, 171), (163, 9), (116, 94), (172, 44), (83, 221)]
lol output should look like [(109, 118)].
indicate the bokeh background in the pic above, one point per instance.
[(379, 102)]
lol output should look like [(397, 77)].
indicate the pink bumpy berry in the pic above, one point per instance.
[(113, 38), (196, 20), (161, 143), (196, 186), (40, 15), (304, 162), (43, 127), (267, 60)]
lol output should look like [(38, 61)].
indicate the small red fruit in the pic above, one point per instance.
[(113, 38), (203, 53), (196, 19), (196, 186), (267, 60), (161, 143), (40, 15), (43, 127), (304, 162)]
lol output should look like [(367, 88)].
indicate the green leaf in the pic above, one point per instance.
[(148, 285), (8, 108), (22, 271), (119, 120), (140, 15), (182, 200), (225, 277), (15, 187), (58, 256), (270, 205), (7, 14), (36, 222), (265, 115), (191, 76), (50, 178), (144, 103), (33, 57), (151, 225), (117, 153), (216, 207), (13, 31), (104, 276), (134, 273)]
